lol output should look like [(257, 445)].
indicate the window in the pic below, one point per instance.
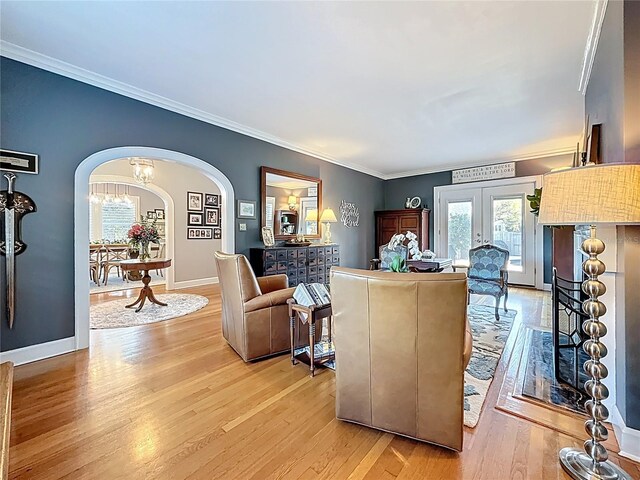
[(111, 221)]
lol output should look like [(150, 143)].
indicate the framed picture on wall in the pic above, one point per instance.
[(194, 201), (194, 219), (211, 200), (246, 209), (194, 233), (151, 215), (212, 217), (160, 213), (217, 233)]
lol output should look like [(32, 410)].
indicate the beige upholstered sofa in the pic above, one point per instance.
[(402, 344), (255, 315)]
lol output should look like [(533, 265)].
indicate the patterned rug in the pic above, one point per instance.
[(489, 338), (113, 314)]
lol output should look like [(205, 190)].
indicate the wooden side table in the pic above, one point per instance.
[(145, 266), (309, 316)]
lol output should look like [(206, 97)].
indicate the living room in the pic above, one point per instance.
[(328, 117)]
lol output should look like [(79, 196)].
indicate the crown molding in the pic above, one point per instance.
[(65, 69), (599, 10), (481, 163)]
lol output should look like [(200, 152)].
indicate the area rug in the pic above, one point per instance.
[(539, 378), (113, 314), (489, 338)]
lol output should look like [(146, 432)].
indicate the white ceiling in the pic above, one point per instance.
[(390, 88)]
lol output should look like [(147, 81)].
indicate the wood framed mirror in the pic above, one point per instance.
[(291, 203)]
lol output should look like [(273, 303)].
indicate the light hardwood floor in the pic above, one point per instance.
[(173, 400)]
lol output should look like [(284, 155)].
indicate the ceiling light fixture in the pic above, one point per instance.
[(143, 170)]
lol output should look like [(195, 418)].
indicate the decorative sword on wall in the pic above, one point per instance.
[(13, 206)]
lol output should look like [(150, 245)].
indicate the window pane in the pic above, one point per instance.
[(459, 230), (507, 229), (117, 218)]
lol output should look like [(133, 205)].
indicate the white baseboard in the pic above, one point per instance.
[(33, 353), (194, 283), (546, 287), (628, 438)]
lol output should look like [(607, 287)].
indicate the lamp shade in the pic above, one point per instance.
[(312, 215), (328, 216), (598, 194)]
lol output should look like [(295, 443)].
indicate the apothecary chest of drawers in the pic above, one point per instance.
[(310, 264)]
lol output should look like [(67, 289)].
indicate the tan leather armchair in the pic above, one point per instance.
[(255, 315), (402, 344)]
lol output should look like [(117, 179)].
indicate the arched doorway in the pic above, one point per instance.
[(81, 218)]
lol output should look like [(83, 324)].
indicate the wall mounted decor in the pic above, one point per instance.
[(593, 145), (488, 172), (194, 201), (19, 162), (194, 219), (212, 217), (13, 206), (151, 215), (211, 200), (217, 233), (160, 213), (194, 233), (246, 209), (349, 214)]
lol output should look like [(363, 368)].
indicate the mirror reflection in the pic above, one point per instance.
[(291, 203)]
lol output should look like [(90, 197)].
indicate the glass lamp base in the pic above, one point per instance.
[(579, 466)]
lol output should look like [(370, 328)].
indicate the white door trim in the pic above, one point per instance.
[(537, 179), (81, 217)]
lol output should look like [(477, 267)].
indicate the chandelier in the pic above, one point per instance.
[(143, 170)]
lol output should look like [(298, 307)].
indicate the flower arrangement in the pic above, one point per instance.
[(141, 234), (412, 246)]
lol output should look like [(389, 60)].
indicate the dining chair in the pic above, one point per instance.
[(113, 257), (160, 254), (95, 263)]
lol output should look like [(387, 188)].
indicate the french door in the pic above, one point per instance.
[(472, 215)]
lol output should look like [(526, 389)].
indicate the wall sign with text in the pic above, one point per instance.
[(349, 214), (488, 172)]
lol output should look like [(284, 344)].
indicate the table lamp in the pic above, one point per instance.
[(328, 217), (593, 195)]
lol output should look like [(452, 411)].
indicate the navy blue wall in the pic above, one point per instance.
[(65, 121)]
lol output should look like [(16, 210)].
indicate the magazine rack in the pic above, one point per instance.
[(316, 353)]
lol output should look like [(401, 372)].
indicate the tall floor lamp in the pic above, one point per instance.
[(593, 195)]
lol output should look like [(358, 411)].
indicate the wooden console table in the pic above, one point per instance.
[(326, 352), (145, 266)]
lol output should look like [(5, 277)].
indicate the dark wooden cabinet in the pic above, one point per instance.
[(310, 264), (390, 222)]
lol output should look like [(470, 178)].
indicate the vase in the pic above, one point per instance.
[(144, 251)]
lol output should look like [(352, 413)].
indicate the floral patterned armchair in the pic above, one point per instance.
[(488, 273)]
